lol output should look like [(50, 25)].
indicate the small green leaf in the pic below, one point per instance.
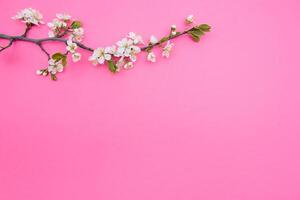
[(57, 56), (194, 36), (112, 66), (64, 61), (204, 27), (197, 31), (75, 24), (53, 77)]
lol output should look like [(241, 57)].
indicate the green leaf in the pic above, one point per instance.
[(53, 77), (76, 24), (112, 66), (194, 36), (57, 56), (197, 32), (204, 27), (64, 61)]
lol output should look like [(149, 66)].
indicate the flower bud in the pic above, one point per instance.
[(189, 19)]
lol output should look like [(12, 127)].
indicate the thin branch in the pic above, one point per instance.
[(42, 40), (39, 41), (44, 50), (28, 27), (11, 40)]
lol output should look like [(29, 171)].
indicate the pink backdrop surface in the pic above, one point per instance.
[(219, 120)]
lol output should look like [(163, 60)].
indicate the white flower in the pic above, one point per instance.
[(124, 46), (56, 24), (100, 55), (137, 39), (63, 16), (189, 19), (77, 34), (39, 72), (128, 65), (71, 46), (55, 66), (151, 57), (134, 50), (111, 50), (29, 16), (76, 57), (173, 27), (153, 39), (167, 49), (51, 34), (120, 62)]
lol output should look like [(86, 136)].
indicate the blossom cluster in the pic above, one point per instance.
[(54, 67), (29, 16), (63, 24), (124, 53)]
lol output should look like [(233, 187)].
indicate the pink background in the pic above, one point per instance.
[(216, 121)]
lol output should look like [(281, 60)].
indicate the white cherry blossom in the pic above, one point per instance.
[(120, 62), (63, 16), (128, 65), (134, 50), (71, 46), (56, 23), (124, 47), (111, 49), (76, 57), (100, 55), (54, 66), (167, 49), (56, 26), (29, 16), (151, 57), (77, 34), (51, 34), (137, 39), (153, 39)]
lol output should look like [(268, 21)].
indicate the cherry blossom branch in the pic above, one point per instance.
[(123, 55), (39, 41)]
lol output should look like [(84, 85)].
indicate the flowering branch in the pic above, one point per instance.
[(70, 32)]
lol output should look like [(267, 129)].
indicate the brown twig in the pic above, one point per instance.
[(40, 41), (11, 40)]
